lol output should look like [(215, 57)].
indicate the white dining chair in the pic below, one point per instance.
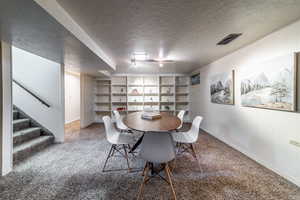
[(180, 115), (157, 148), (120, 125), (185, 140), (119, 141)]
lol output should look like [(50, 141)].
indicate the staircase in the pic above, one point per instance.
[(28, 136)]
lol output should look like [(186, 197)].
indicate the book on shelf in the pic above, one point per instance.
[(121, 108)]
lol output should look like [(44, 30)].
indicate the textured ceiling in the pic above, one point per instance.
[(27, 26), (186, 31)]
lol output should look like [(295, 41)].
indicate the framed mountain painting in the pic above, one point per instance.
[(222, 88), (271, 84)]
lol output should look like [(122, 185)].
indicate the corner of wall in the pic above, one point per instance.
[(86, 99), (6, 141)]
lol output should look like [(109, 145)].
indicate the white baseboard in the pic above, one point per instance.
[(73, 120)]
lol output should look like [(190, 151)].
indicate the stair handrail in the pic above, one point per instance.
[(31, 93)]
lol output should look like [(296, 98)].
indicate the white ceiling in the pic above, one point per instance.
[(186, 31), (26, 25)]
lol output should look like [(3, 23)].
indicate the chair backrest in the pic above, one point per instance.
[(110, 130), (194, 131), (157, 147), (117, 114), (180, 116), (118, 118)]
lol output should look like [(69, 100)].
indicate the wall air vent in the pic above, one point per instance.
[(229, 38)]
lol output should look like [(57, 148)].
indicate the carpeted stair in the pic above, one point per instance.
[(28, 136)]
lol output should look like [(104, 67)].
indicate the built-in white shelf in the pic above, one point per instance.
[(167, 93), (102, 98), (102, 94)]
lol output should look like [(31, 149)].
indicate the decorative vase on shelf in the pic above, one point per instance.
[(135, 91)]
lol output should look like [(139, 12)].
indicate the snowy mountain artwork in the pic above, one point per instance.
[(222, 88), (270, 84)]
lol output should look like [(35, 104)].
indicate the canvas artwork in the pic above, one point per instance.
[(195, 79), (222, 88), (270, 85)]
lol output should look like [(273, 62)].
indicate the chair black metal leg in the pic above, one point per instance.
[(126, 157), (108, 156), (115, 148), (136, 144)]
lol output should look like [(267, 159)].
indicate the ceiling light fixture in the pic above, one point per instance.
[(141, 56)]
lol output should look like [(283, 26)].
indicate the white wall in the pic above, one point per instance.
[(6, 140), (263, 135), (46, 79), (72, 97), (87, 116)]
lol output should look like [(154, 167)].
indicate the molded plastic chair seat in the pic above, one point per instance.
[(157, 147), (185, 140), (119, 122), (122, 126), (190, 136), (121, 138), (120, 141), (114, 136), (183, 137)]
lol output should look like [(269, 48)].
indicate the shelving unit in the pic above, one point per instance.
[(182, 95), (167, 94), (137, 93), (119, 94), (102, 99)]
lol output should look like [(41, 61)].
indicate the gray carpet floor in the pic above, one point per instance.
[(73, 171)]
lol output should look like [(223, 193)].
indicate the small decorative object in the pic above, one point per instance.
[(271, 84), (135, 91), (122, 90), (167, 107), (151, 99), (222, 88), (121, 108)]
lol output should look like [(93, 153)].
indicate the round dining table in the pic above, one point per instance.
[(165, 123)]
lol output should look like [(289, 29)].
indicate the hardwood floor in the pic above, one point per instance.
[(72, 127)]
